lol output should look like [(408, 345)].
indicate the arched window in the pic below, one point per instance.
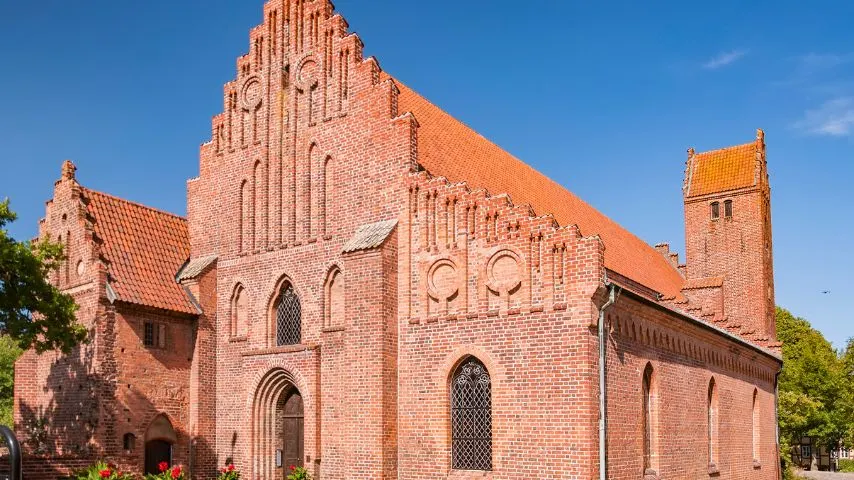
[(716, 210), (239, 312), (288, 317), (712, 423), (755, 435), (471, 417), (727, 208), (647, 419), (334, 299)]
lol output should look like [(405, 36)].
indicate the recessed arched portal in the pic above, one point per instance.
[(159, 439), (277, 426)]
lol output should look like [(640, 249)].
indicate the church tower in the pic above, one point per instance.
[(727, 200)]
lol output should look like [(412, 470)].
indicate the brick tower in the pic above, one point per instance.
[(728, 232)]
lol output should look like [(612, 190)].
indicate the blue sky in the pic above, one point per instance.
[(603, 97)]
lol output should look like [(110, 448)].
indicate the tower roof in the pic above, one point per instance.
[(725, 169)]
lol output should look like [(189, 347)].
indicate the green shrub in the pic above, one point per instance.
[(846, 465), (788, 473), (103, 471)]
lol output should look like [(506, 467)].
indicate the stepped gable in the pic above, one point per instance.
[(448, 148), (143, 249), (722, 170)]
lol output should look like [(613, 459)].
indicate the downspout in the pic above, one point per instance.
[(603, 464)]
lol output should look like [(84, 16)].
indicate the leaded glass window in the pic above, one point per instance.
[(148, 334), (288, 317), (471, 417)]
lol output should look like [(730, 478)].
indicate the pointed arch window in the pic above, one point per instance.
[(755, 430), (471, 417), (288, 313), (647, 420), (712, 425), (334, 299)]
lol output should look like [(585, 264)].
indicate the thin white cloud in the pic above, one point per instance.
[(724, 59), (834, 117)]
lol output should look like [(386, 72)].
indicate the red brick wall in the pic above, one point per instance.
[(64, 393), (150, 381), (684, 359)]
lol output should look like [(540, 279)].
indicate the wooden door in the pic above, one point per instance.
[(157, 451), (292, 434)]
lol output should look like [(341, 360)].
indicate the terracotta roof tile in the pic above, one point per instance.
[(722, 170), (145, 248), (447, 147)]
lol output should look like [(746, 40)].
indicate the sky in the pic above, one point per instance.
[(604, 97)]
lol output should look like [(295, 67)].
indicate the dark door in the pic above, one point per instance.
[(157, 451), (292, 435)]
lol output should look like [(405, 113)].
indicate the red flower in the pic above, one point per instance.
[(105, 473), (176, 472), (163, 466), (230, 467), (293, 467)]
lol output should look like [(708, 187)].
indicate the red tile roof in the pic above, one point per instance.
[(144, 248), (722, 170), (447, 147)]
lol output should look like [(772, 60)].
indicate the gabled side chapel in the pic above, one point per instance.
[(366, 287)]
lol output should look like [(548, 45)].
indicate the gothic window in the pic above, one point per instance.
[(471, 417), (288, 317), (727, 208), (755, 430), (716, 210), (239, 312), (712, 421), (334, 299), (647, 418)]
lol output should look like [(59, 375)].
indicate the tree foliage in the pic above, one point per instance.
[(9, 352), (33, 312), (816, 388)]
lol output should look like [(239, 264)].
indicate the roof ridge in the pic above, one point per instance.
[(731, 147), (449, 148), (523, 163), (134, 203)]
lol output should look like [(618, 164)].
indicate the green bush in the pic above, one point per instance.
[(846, 465), (103, 471), (788, 473)]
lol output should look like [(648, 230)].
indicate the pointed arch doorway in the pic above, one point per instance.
[(290, 411), (159, 439), (278, 440)]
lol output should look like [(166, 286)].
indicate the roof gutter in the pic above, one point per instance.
[(697, 322)]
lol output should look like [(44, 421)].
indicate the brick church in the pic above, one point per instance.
[(366, 287)]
